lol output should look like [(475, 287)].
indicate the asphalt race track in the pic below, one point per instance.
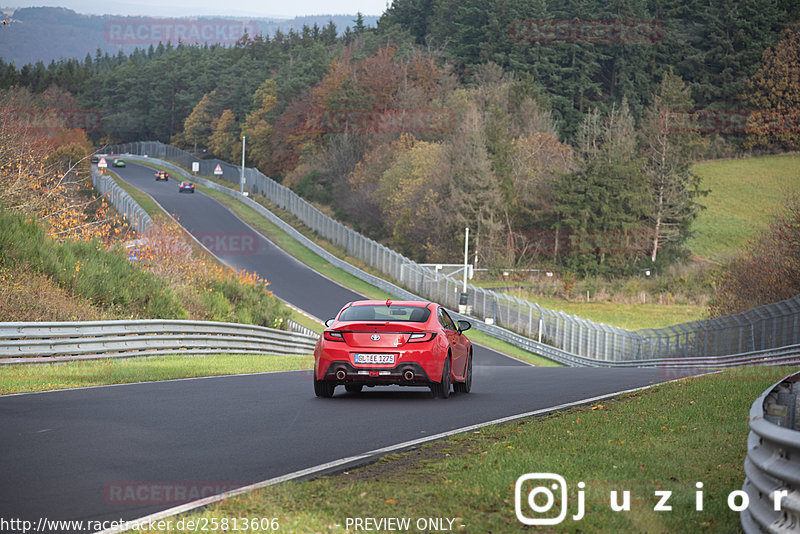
[(117, 452), (238, 245), (101, 453)]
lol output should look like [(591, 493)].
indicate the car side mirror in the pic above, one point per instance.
[(464, 325), (329, 322)]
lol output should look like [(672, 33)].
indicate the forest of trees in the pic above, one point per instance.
[(445, 116)]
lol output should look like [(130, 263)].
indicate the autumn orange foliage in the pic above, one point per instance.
[(45, 174), (768, 270)]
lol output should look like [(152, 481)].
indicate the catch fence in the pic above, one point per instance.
[(122, 201)]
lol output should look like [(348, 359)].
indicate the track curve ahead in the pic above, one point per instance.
[(237, 244), (116, 452)]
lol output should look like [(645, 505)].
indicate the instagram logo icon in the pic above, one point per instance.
[(539, 493)]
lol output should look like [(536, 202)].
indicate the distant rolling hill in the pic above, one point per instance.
[(51, 33)]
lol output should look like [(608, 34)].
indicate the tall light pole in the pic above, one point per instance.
[(466, 258), (241, 176), (462, 298)]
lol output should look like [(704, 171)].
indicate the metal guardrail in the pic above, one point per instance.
[(772, 465), (300, 329), (136, 216), (45, 342)]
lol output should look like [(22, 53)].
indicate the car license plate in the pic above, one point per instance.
[(374, 358)]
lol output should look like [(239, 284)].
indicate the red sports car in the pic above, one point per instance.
[(409, 343)]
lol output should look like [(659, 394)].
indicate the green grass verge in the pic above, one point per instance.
[(640, 442), (45, 377), (745, 193), (486, 340)]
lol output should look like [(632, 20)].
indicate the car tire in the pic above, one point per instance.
[(466, 385), (353, 388), (441, 390), (324, 388)]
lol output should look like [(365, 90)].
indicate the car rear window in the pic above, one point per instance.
[(381, 312)]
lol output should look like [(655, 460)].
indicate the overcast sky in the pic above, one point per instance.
[(188, 8)]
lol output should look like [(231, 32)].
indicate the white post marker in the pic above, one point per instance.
[(463, 307), (466, 258), (241, 179)]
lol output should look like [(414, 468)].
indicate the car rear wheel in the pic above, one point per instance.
[(466, 385), (441, 390), (324, 388), (353, 388)]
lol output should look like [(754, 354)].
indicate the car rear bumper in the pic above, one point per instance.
[(403, 374)]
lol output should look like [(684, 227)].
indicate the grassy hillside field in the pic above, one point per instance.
[(745, 193)]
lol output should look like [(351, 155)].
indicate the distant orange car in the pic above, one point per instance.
[(408, 343)]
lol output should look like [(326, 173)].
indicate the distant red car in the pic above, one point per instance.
[(409, 343), (162, 175)]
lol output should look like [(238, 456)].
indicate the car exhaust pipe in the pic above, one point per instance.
[(340, 374), (408, 374)]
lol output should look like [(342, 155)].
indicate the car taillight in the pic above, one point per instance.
[(420, 337), (333, 335)]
